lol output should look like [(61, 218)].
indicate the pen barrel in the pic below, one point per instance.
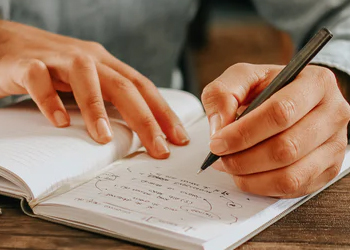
[(294, 67), (287, 75)]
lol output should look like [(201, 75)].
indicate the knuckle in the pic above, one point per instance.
[(327, 77), (240, 66), (232, 165), (139, 80), (94, 102), (212, 91), (242, 183), (72, 49), (244, 134), (333, 171), (339, 144), (34, 67), (247, 69), (253, 74), (81, 61), (96, 46), (148, 123), (289, 184), (122, 84), (285, 151), (282, 113), (344, 112)]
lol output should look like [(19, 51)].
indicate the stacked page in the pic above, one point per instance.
[(165, 203)]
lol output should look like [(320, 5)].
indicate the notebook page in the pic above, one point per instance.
[(168, 194), (270, 215), (45, 157)]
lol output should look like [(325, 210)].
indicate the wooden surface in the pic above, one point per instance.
[(321, 223)]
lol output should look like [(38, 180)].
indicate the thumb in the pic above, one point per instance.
[(235, 87)]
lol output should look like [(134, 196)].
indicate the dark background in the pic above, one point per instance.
[(226, 32)]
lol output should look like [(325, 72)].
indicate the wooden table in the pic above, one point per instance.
[(321, 223)]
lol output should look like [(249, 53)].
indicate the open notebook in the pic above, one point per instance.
[(61, 175)]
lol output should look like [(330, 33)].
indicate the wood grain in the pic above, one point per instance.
[(321, 223)]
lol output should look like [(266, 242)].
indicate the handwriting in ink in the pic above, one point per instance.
[(200, 212), (155, 220), (158, 192), (104, 177), (231, 204)]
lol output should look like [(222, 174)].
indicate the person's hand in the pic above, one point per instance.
[(292, 144), (40, 63)]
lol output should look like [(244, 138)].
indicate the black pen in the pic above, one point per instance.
[(287, 75)]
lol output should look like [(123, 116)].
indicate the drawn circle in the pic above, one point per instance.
[(200, 212)]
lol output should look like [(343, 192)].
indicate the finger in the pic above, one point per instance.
[(61, 86), (328, 175), (134, 110), (227, 93), (278, 113), (291, 180), (80, 72), (166, 118), (219, 165), (34, 76), (290, 145)]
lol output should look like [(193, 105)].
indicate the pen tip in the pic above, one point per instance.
[(199, 171)]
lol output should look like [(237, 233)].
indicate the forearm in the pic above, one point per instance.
[(302, 19)]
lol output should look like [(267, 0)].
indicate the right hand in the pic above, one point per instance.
[(293, 144), (40, 63)]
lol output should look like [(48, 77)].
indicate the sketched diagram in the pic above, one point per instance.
[(206, 211), (103, 181), (201, 212), (230, 203)]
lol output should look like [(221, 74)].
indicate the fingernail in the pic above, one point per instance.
[(218, 146), (103, 130), (215, 123), (181, 134), (60, 118), (161, 146)]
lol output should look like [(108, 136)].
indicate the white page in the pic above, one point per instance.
[(236, 236), (45, 157), (168, 194)]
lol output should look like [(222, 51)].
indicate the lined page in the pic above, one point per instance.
[(168, 194), (46, 158)]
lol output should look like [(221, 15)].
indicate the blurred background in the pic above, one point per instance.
[(226, 32), (148, 35)]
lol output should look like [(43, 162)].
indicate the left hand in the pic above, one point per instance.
[(40, 63), (292, 144)]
